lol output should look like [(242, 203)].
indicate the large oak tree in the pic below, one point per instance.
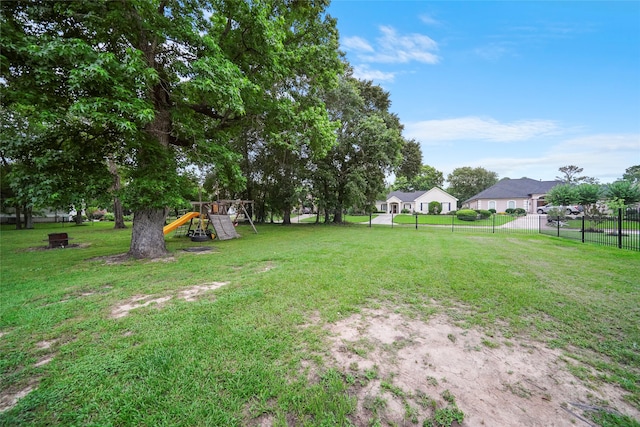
[(368, 148), (156, 84)]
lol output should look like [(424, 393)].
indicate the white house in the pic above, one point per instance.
[(417, 201)]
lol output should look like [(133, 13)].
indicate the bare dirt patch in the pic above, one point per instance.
[(47, 248), (191, 293), (138, 301), (45, 345), (44, 360), (268, 266), (9, 398), (405, 368)]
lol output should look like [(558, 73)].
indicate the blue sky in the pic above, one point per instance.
[(520, 88)]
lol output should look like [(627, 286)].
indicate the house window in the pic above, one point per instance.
[(383, 207), (492, 204), (511, 204)]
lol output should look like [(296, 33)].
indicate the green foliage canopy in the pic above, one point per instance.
[(368, 147), (159, 84), (623, 192), (427, 178), (411, 160), (562, 195), (466, 181)]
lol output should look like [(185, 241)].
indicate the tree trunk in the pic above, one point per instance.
[(18, 217), (337, 217), (286, 217), (118, 212), (28, 217), (78, 217), (147, 238)]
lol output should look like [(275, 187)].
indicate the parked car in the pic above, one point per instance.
[(572, 209)]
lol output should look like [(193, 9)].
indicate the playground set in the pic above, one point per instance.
[(213, 220)]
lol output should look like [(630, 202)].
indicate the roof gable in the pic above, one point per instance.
[(436, 190), (405, 197), (415, 195)]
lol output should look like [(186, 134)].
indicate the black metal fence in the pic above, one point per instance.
[(621, 230)]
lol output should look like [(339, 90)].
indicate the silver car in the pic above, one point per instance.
[(572, 209)]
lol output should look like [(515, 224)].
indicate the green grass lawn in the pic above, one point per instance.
[(238, 352)]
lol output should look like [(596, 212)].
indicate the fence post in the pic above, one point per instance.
[(582, 228), (416, 220), (493, 223), (370, 217), (391, 219), (619, 228), (452, 220), (558, 225)]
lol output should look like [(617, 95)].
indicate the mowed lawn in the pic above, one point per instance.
[(237, 351)]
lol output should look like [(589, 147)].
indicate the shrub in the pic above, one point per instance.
[(405, 211), (509, 211), (109, 217), (467, 215), (452, 212), (556, 213), (519, 211), (492, 211), (435, 208), (484, 214)]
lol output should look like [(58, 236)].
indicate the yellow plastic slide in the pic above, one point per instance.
[(178, 222)]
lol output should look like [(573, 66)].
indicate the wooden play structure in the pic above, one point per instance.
[(213, 220)]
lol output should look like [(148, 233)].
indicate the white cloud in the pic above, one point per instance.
[(392, 47), (364, 72), (356, 43), (430, 20), (478, 128)]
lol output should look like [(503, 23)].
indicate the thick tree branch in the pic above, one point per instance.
[(225, 120)]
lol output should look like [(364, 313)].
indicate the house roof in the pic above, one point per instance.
[(413, 196), (515, 188), (406, 197)]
